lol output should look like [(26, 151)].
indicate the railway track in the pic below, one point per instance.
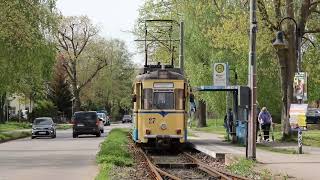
[(182, 165)]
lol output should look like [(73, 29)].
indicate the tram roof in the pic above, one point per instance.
[(161, 74)]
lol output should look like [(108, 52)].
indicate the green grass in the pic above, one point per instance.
[(213, 126), (242, 167), (309, 138), (64, 126), (4, 136), (191, 134), (14, 126), (277, 150), (114, 152)]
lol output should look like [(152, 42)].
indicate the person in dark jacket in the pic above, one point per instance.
[(265, 121), (228, 121)]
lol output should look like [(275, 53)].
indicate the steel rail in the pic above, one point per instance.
[(151, 166), (214, 171)]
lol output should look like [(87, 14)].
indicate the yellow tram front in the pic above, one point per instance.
[(159, 107)]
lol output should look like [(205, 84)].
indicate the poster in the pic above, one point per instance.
[(300, 87), (298, 116)]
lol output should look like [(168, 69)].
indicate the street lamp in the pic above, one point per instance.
[(280, 42)]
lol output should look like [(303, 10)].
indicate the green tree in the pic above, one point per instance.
[(80, 46), (60, 93), (111, 89), (25, 45), (305, 13)]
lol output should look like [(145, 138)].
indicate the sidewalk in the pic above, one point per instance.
[(300, 166)]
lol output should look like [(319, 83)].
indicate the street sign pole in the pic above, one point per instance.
[(251, 146), (300, 140)]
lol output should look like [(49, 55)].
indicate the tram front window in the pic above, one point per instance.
[(163, 100)]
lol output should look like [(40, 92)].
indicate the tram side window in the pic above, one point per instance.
[(163, 100), (179, 99), (138, 97), (147, 99)]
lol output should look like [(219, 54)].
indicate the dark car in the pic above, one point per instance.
[(313, 116), (87, 122), (43, 127), (126, 118)]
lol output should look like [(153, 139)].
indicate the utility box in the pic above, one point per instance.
[(244, 96), (241, 130)]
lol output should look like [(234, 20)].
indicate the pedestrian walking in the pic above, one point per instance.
[(265, 121)]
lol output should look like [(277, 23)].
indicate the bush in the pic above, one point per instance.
[(44, 108)]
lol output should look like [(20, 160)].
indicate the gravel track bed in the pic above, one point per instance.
[(210, 161), (192, 173), (138, 171)]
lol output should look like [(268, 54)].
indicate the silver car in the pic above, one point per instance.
[(43, 127)]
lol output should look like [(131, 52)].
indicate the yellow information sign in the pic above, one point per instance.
[(298, 115)]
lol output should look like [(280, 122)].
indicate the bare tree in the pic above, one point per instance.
[(74, 36), (304, 12)]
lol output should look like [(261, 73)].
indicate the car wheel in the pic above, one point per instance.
[(102, 131), (99, 134), (74, 135), (32, 137)]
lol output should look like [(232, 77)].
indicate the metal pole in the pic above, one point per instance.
[(251, 154), (300, 140), (145, 45), (181, 56)]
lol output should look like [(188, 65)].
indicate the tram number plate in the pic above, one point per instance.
[(152, 120)]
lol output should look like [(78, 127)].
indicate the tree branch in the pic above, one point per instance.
[(72, 41), (304, 14), (265, 16), (317, 30), (277, 10), (99, 67), (67, 68), (314, 3), (309, 40)]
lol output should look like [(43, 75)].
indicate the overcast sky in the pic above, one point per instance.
[(115, 17)]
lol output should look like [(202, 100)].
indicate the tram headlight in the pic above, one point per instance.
[(178, 131), (163, 126)]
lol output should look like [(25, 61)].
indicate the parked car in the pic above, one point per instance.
[(127, 118), (87, 122), (43, 127), (313, 116), (105, 118)]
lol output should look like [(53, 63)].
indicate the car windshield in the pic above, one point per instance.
[(42, 122), (163, 100), (100, 115), (86, 116)]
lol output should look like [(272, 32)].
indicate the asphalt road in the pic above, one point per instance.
[(63, 158)]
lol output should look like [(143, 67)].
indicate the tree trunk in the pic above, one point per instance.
[(2, 107), (75, 88), (288, 66), (202, 114), (283, 57), (77, 102)]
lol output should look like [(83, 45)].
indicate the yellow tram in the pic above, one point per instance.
[(159, 112), (160, 91)]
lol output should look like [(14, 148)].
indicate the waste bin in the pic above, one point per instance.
[(241, 130)]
